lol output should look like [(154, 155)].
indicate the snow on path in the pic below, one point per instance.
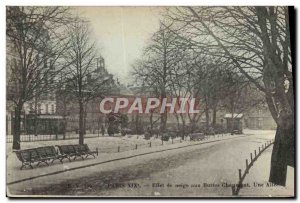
[(214, 164), (14, 173)]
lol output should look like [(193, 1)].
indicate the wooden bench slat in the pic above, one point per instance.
[(48, 153)]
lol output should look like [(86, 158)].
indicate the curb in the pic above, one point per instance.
[(117, 159)]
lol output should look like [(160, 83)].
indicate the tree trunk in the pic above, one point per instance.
[(192, 127), (35, 117), (214, 118), (163, 122), (232, 123), (283, 153), (207, 116), (84, 124), (64, 118), (81, 123), (64, 127), (151, 123), (183, 129), (17, 126), (163, 116), (136, 123)]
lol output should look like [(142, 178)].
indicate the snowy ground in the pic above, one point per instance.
[(108, 150), (178, 172), (104, 144)]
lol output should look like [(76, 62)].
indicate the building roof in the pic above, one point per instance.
[(235, 115)]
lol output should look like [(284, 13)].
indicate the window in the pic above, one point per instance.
[(47, 109), (259, 123), (52, 108), (39, 108)]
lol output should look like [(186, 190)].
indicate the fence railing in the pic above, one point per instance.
[(112, 149), (236, 188), (33, 138)]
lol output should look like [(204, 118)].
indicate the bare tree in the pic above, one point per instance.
[(256, 40), (35, 35), (155, 70), (239, 95), (185, 83), (83, 79)]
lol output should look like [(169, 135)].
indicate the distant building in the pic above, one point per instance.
[(234, 123), (45, 104), (68, 108), (259, 118)]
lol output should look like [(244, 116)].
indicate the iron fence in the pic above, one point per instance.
[(111, 149), (33, 138)]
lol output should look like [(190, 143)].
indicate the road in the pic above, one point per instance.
[(201, 170)]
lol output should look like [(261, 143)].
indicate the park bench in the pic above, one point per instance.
[(85, 150), (68, 152), (49, 153), (197, 136), (82, 151), (30, 156)]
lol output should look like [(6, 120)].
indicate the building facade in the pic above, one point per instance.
[(259, 118)]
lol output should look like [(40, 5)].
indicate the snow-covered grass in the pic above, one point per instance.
[(107, 146), (258, 177), (104, 144), (214, 162)]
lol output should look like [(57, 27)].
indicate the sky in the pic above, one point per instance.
[(121, 34)]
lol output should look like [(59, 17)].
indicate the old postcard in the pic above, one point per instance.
[(150, 102)]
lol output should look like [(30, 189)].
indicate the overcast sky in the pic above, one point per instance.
[(121, 33)]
